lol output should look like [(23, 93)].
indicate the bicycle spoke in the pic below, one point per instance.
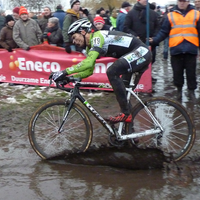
[(178, 130), (43, 130)]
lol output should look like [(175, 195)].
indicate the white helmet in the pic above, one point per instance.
[(79, 25)]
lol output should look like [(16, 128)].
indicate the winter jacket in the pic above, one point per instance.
[(113, 21), (27, 34), (60, 14), (106, 19), (183, 47), (71, 17), (108, 27), (43, 22), (135, 22), (2, 22), (120, 19), (54, 35), (6, 38)]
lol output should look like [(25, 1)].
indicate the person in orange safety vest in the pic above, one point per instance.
[(182, 26)]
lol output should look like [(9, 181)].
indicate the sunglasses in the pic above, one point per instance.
[(182, 1)]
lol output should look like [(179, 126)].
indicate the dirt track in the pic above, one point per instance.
[(25, 176)]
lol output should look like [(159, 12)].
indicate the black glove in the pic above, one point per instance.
[(58, 76), (9, 49), (70, 79), (45, 35), (68, 48), (28, 48)]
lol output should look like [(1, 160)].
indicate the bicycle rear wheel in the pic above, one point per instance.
[(179, 133), (43, 127)]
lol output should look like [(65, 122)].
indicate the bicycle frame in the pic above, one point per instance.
[(75, 94)]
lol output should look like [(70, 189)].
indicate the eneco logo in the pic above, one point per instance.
[(23, 65), (38, 66)]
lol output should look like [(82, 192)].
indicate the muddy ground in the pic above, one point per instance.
[(26, 176)]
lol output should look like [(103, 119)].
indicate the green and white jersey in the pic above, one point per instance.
[(104, 43), (113, 43)]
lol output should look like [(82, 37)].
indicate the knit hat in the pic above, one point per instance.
[(9, 18), (98, 19), (23, 10), (16, 10), (72, 2), (125, 4)]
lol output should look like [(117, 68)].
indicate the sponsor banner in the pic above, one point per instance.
[(33, 67)]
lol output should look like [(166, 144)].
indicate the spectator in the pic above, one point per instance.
[(53, 33), (6, 34), (32, 15), (197, 4), (152, 6), (97, 13), (125, 8), (108, 13), (99, 23), (103, 14), (135, 24), (158, 10), (15, 13), (197, 7), (44, 20), (26, 31), (85, 14), (183, 47), (166, 41), (72, 16), (2, 19), (60, 14), (160, 13), (113, 19)]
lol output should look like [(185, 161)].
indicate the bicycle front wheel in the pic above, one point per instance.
[(178, 133), (44, 137)]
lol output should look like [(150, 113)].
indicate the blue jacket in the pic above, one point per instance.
[(185, 46), (60, 14), (120, 21)]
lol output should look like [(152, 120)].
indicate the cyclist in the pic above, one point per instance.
[(133, 56)]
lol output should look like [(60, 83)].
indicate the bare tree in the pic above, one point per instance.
[(106, 4), (91, 5), (35, 5)]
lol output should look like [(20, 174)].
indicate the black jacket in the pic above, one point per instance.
[(106, 19), (54, 35), (135, 22)]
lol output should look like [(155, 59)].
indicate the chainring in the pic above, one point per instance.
[(115, 142)]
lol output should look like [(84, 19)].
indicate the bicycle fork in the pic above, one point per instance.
[(66, 115)]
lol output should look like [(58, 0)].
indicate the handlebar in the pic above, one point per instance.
[(65, 81)]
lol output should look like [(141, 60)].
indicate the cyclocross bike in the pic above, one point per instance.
[(62, 126)]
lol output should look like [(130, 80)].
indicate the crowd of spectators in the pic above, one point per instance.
[(51, 27), (24, 29)]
